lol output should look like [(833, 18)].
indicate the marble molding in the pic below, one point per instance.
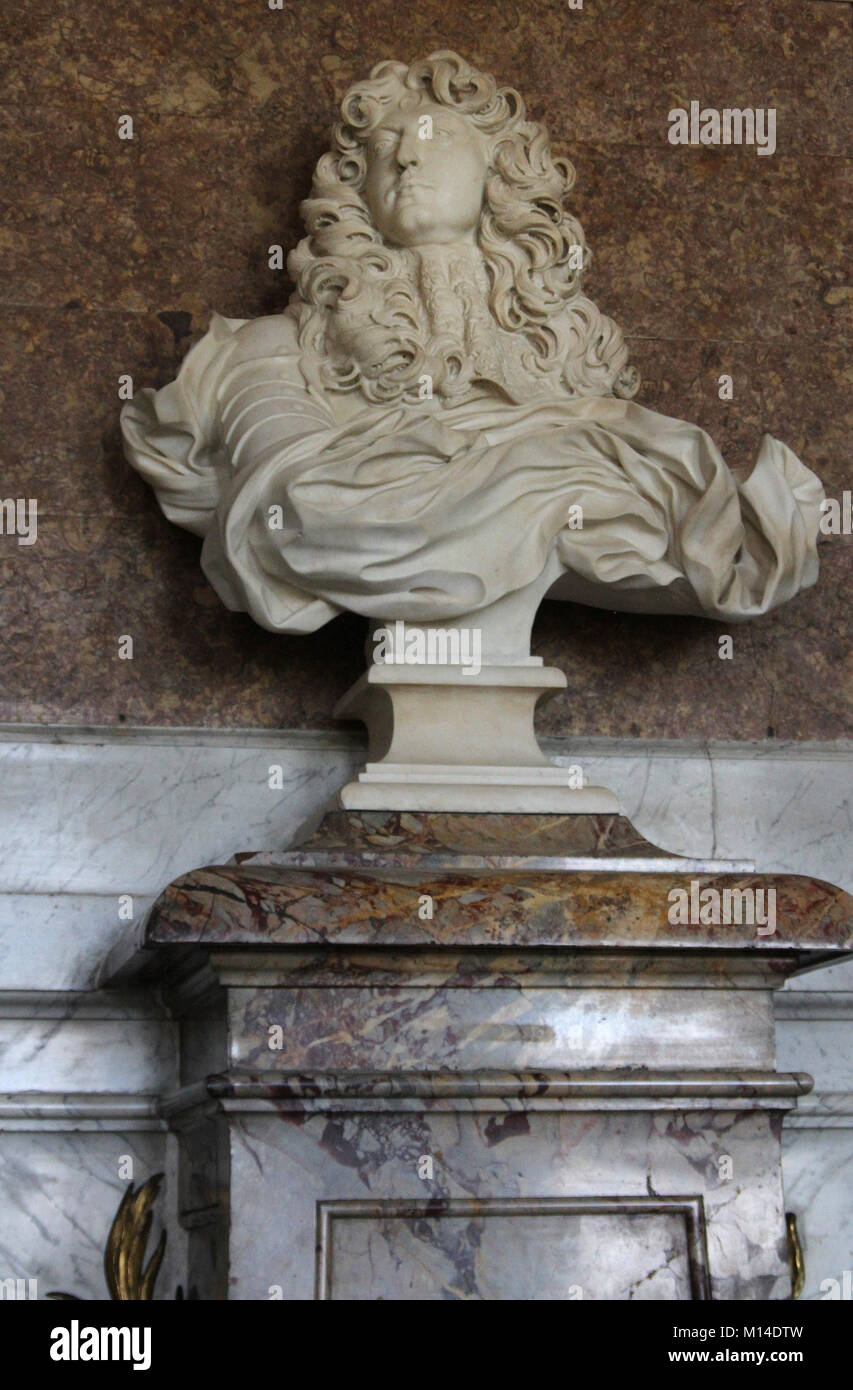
[(537, 1089)]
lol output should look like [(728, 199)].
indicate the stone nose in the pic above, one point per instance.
[(408, 151)]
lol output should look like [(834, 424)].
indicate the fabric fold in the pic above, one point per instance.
[(314, 502)]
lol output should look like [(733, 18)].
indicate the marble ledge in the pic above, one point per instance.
[(197, 972), (614, 1089), (78, 1004), (460, 1093), (99, 1111), (823, 1110), (250, 905), (812, 1006)]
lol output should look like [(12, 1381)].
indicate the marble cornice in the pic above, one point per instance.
[(823, 1110), (84, 1110), (80, 1004), (810, 1006), (132, 1113), (485, 968), (596, 1089), (117, 736), (267, 907)]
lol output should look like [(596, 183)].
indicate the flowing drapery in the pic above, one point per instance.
[(312, 502)]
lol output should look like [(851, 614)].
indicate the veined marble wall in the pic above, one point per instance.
[(90, 819)]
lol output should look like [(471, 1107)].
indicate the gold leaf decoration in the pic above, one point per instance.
[(128, 1237), (796, 1263), (124, 1255)]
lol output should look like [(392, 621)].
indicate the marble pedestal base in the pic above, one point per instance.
[(541, 1189), (445, 739), (431, 1057)]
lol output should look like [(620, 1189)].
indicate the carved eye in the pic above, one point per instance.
[(382, 145)]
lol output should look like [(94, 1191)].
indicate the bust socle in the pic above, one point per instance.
[(438, 428)]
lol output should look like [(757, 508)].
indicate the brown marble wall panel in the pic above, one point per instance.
[(61, 438), (717, 243), (114, 253), (91, 579), (788, 56)]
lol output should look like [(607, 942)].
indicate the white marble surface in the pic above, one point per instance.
[(65, 936), (128, 814), (818, 1047), (90, 1054), (59, 1194), (116, 797), (818, 1169), (787, 806)]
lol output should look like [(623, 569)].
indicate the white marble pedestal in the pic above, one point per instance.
[(449, 1056)]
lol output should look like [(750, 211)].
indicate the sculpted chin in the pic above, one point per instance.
[(409, 438)]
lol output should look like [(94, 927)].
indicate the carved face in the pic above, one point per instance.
[(426, 176)]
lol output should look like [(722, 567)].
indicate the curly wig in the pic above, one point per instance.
[(359, 304)]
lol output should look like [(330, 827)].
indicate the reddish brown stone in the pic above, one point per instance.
[(114, 254)]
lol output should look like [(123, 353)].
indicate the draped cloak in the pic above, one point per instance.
[(313, 501)]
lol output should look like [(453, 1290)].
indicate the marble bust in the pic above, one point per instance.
[(439, 428)]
